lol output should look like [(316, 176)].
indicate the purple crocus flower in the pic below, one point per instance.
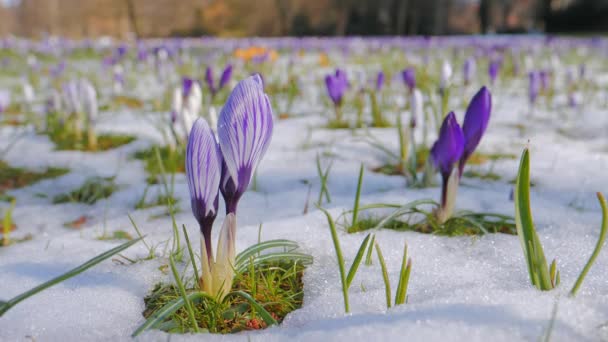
[(448, 148), (379, 81), (468, 70), (446, 151), (544, 80), (244, 132), (336, 86), (493, 69), (475, 123), (409, 78), (187, 84), (226, 75), (533, 86), (209, 80), (203, 170), (224, 79)]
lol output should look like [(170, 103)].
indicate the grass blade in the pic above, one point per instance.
[(5, 306), (368, 257), (182, 291), (268, 319), (387, 282), (334, 238), (191, 253), (533, 250), (598, 246), (169, 309), (355, 265), (287, 245), (404, 278), (301, 258), (402, 210), (357, 197)]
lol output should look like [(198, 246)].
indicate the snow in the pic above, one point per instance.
[(463, 288)]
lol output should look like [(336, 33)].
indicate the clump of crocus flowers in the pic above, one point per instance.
[(337, 84), (185, 108), (226, 166), (224, 80), (455, 145)]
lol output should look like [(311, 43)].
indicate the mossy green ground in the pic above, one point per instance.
[(16, 177), (277, 287), (65, 139), (455, 226)]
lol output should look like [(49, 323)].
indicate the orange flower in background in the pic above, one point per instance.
[(323, 60), (256, 53)]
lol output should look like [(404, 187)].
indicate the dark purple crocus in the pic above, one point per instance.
[(379, 81), (493, 69), (187, 84), (224, 79), (544, 76), (209, 81), (533, 86), (337, 84), (409, 78), (244, 131), (448, 148), (468, 70), (226, 75), (445, 153), (475, 123), (203, 171)]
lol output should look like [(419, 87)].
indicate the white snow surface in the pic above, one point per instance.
[(461, 289)]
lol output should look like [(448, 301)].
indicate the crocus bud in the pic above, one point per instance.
[(493, 69), (409, 78), (445, 76), (192, 103), (475, 123), (468, 70), (88, 97), (203, 171), (336, 86), (209, 81), (28, 93), (244, 131), (533, 86), (379, 81), (226, 75), (446, 151)]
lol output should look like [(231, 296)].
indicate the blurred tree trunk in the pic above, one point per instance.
[(132, 17), (283, 9), (484, 15), (402, 12)]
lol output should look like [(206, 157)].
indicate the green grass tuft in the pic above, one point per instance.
[(465, 225), (91, 191), (173, 162), (277, 287)]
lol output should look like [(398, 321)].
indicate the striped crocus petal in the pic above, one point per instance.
[(244, 131), (203, 171)]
